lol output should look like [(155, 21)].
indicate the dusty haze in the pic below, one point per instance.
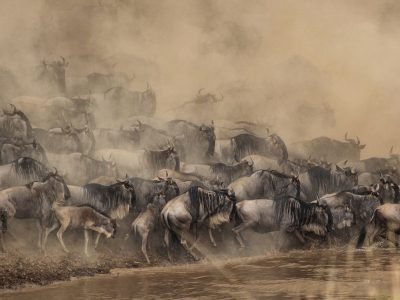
[(307, 68)]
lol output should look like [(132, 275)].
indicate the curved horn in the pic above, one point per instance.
[(56, 172), (139, 123), (147, 86), (199, 92), (391, 150), (358, 141), (13, 106)]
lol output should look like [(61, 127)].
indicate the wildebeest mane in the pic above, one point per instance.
[(29, 169), (298, 212), (247, 144), (210, 202), (158, 159), (110, 197)]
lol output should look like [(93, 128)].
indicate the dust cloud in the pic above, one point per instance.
[(305, 68)]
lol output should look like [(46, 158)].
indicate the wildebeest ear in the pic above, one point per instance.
[(339, 169)]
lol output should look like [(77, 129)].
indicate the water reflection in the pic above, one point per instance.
[(301, 275)]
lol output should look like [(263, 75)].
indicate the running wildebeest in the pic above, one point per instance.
[(197, 143), (195, 208), (13, 149), (329, 149), (15, 124), (143, 163), (80, 168), (219, 171), (319, 181), (114, 200), (36, 201), (85, 217), (22, 171), (264, 184), (247, 144), (285, 214), (146, 190), (385, 219), (147, 221)]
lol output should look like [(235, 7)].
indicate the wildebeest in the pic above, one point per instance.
[(285, 214), (195, 208), (143, 163), (22, 171), (15, 124), (123, 138), (385, 219), (147, 221), (85, 217), (248, 144), (12, 149), (328, 149), (146, 190), (4, 226), (36, 201), (114, 200), (80, 169), (119, 102), (219, 171), (197, 143), (319, 181), (66, 140), (261, 162), (52, 75), (265, 184), (100, 82)]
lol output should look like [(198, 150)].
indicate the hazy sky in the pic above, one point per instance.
[(308, 67)]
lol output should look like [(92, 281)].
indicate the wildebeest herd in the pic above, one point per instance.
[(179, 178)]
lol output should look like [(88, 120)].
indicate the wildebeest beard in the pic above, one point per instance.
[(28, 169), (108, 199), (210, 203), (299, 213)]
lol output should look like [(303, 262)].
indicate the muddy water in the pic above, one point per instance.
[(295, 275)]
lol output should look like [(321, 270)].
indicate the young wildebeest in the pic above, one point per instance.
[(21, 171), (113, 200), (220, 171), (86, 217), (147, 221), (35, 201), (12, 149), (385, 219), (319, 181), (194, 208), (284, 214), (265, 184)]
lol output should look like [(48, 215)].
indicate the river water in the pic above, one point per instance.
[(322, 274)]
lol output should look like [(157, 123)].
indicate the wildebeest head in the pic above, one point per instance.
[(278, 147), (167, 187), (159, 200), (109, 228), (350, 174), (54, 72)]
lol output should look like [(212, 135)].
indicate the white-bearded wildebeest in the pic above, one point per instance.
[(80, 168), (66, 140), (219, 171), (285, 214), (142, 163), (85, 217), (114, 200), (197, 143), (319, 181), (265, 184), (326, 148), (21, 171), (247, 144), (385, 219), (145, 190), (147, 221), (12, 149), (15, 124), (193, 209), (36, 201)]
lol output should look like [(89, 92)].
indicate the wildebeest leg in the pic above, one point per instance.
[(86, 233), (46, 233), (2, 242), (391, 237), (167, 241), (59, 236), (212, 238), (238, 229), (299, 236), (184, 235), (145, 236), (96, 243), (39, 227)]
